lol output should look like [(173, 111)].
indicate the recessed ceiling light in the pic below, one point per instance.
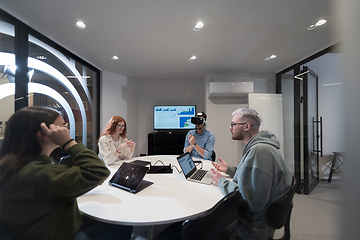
[(198, 26), (331, 84), (80, 24), (114, 57), (271, 57), (319, 23), (192, 58), (312, 27), (76, 77)]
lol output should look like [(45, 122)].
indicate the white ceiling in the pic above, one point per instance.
[(154, 38)]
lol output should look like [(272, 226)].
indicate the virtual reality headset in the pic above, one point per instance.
[(197, 120)]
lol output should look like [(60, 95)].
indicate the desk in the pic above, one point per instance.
[(170, 199)]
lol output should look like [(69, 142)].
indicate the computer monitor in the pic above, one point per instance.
[(171, 117)]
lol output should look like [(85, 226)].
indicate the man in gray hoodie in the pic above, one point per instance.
[(262, 176)]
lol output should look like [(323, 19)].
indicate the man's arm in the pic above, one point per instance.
[(209, 146), (187, 146)]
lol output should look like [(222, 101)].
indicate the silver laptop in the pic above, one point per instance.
[(190, 171), (130, 177)]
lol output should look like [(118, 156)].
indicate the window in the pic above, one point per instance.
[(54, 78)]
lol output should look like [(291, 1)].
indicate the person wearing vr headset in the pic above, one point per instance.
[(199, 142)]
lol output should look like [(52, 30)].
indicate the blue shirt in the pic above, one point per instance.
[(205, 140)]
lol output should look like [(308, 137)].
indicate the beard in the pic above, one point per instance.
[(238, 136), (199, 128)]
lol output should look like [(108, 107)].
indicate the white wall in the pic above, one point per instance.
[(169, 92), (288, 120), (111, 99), (270, 108), (134, 100), (219, 111), (118, 97)]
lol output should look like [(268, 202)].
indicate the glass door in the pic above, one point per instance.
[(311, 126)]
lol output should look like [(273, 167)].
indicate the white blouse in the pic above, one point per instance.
[(107, 147)]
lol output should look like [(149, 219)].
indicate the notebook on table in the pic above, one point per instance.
[(130, 177), (190, 171)]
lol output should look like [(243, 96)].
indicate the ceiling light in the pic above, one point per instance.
[(114, 57), (331, 84), (80, 24), (300, 74), (271, 57), (319, 23), (41, 57), (312, 27), (198, 26), (192, 58), (76, 77)]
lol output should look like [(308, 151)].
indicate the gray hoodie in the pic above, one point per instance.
[(262, 178)]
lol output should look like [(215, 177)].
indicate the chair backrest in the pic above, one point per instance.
[(219, 223), (277, 214), (213, 156)]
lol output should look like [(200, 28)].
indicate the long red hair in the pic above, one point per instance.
[(111, 127)]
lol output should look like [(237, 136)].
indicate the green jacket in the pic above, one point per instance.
[(39, 200)]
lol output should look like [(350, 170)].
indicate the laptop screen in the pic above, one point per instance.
[(129, 175), (186, 163)]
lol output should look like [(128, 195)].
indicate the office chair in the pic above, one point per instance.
[(213, 156), (218, 223), (279, 213)]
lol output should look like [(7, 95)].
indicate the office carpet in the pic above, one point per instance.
[(314, 217), (317, 216)]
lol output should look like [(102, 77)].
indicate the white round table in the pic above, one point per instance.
[(170, 199)]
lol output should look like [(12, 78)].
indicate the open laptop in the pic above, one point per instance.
[(190, 171), (130, 177)]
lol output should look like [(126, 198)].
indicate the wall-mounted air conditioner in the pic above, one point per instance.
[(230, 89)]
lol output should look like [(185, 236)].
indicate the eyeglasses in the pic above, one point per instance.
[(233, 124), (65, 125)]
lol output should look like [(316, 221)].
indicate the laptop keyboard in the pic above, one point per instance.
[(198, 175)]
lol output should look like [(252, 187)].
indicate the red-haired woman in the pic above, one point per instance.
[(113, 144)]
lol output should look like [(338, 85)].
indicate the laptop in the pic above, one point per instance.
[(129, 177), (190, 171)]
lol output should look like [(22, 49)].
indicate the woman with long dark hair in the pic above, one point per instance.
[(113, 144), (38, 197)]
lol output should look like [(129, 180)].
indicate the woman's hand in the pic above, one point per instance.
[(57, 134), (131, 144), (122, 147)]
